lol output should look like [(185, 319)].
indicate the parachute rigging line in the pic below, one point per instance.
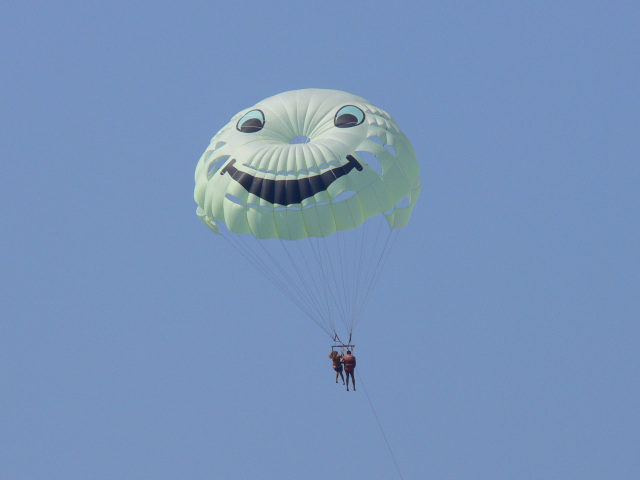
[(393, 236), (267, 270)]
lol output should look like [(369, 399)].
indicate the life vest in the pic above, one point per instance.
[(349, 363)]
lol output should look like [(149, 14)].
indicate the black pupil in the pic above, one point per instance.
[(251, 125), (346, 120)]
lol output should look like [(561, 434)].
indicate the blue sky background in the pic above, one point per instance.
[(503, 338)]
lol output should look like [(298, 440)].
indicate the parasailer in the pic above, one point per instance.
[(349, 362), (311, 186), (336, 359)]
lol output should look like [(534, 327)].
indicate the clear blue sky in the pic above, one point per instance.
[(503, 341)]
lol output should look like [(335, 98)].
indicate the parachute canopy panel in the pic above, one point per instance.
[(301, 164), (311, 186)]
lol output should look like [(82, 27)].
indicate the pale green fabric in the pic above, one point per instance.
[(268, 153)]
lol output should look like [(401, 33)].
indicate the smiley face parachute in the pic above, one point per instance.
[(311, 186)]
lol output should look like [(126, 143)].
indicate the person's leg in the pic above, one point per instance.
[(341, 376)]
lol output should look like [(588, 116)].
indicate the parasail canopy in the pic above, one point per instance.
[(310, 185)]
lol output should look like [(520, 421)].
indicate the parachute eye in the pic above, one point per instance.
[(348, 116), (251, 122)]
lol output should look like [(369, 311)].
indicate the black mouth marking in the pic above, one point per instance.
[(288, 192)]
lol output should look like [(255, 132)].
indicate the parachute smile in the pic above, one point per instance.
[(289, 192)]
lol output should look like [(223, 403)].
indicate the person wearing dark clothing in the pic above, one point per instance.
[(349, 362)]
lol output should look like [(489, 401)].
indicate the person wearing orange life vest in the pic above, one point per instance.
[(349, 362)]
